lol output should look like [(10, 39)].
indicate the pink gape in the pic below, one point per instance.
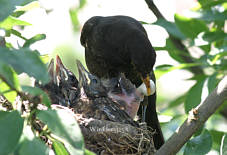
[(129, 98)]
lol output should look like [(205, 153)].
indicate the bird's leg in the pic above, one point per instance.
[(144, 109)]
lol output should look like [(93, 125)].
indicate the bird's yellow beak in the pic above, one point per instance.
[(146, 81)]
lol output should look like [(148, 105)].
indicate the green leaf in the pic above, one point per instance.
[(171, 28), (33, 147), (27, 61), (29, 6), (216, 137), (35, 91), (82, 3), (7, 7), (75, 22), (10, 22), (199, 145), (9, 94), (193, 97), (163, 69), (214, 36), (218, 57), (45, 58), (62, 124), (34, 39), (190, 27), (223, 149), (212, 82), (208, 15), (206, 4), (11, 127), (9, 75), (173, 51), (17, 33), (59, 148)]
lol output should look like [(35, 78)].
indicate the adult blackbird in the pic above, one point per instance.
[(119, 44)]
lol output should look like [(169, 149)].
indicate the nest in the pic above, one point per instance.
[(107, 137)]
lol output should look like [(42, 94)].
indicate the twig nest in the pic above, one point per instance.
[(107, 137)]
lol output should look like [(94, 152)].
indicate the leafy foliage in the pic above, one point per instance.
[(19, 135), (199, 145), (10, 131), (199, 30)]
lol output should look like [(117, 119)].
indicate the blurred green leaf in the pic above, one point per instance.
[(212, 82), (209, 3), (159, 48), (214, 36), (173, 51), (163, 69), (171, 28), (34, 39), (29, 6), (82, 3), (45, 58), (199, 145), (218, 56), (5, 90), (75, 22), (193, 97), (209, 15), (9, 75), (7, 7), (17, 33), (37, 92), (10, 22), (190, 27), (59, 148), (62, 124), (33, 147), (223, 149), (17, 14), (10, 131), (205, 48), (25, 60), (216, 137)]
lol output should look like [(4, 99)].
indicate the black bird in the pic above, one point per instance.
[(119, 44)]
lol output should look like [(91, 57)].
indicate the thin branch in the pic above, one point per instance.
[(177, 42), (197, 117)]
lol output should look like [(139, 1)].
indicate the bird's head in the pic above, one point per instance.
[(90, 83), (64, 75), (124, 92), (142, 56), (87, 29)]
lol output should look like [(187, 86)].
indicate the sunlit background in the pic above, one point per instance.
[(52, 18)]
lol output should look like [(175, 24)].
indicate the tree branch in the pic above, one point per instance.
[(197, 117), (178, 44)]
